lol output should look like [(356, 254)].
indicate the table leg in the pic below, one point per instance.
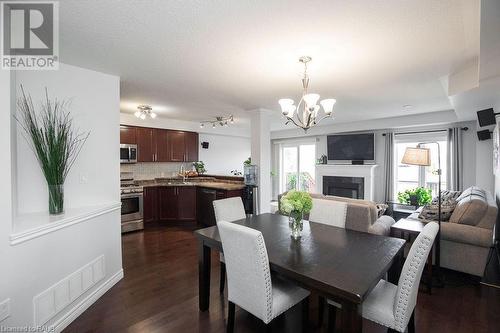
[(395, 270), (204, 254), (351, 319)]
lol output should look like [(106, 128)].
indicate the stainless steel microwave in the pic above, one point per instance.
[(128, 153)]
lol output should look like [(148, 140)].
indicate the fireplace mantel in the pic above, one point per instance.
[(347, 170)]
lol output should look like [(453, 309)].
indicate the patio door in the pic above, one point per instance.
[(298, 166)]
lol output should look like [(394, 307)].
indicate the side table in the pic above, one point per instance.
[(407, 229)]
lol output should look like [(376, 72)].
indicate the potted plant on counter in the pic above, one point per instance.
[(54, 140), (295, 204), (200, 167)]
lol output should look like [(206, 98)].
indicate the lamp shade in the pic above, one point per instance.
[(417, 156)]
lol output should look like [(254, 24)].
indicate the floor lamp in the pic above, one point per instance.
[(422, 156)]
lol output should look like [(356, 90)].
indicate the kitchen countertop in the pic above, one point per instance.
[(206, 182)]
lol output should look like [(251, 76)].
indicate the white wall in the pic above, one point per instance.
[(224, 153), (93, 107), (33, 266), (6, 259)]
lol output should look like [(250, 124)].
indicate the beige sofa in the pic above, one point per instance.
[(467, 237), (361, 215)]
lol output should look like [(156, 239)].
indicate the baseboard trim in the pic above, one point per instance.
[(85, 303)]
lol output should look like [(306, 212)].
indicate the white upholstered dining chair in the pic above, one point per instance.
[(230, 210), (250, 285), (394, 306), (328, 212)]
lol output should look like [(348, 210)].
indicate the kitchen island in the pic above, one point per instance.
[(177, 200)]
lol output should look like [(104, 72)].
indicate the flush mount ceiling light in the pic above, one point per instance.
[(307, 108), (219, 121), (144, 111)]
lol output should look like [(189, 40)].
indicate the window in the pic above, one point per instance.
[(298, 165), (411, 176)]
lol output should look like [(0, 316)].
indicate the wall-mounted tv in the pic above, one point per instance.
[(351, 147)]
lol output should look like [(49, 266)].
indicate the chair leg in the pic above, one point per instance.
[(332, 314), (411, 323), (222, 277), (321, 310), (230, 317), (305, 315)]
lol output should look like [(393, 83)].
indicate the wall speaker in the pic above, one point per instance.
[(486, 117), (204, 145), (484, 135)]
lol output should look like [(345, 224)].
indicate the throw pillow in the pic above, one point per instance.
[(448, 204), (473, 190), (381, 208)]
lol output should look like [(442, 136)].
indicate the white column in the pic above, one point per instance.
[(261, 155)]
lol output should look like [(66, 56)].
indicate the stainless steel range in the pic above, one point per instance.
[(132, 203)]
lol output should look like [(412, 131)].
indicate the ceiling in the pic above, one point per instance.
[(192, 60)]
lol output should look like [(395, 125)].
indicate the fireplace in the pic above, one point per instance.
[(348, 187)]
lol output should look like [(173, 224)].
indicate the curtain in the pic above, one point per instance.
[(454, 176), (389, 167)]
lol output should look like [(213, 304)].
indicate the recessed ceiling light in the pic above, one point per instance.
[(407, 106)]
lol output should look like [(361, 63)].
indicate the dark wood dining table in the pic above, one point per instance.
[(340, 264)]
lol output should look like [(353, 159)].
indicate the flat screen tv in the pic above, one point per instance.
[(351, 147)]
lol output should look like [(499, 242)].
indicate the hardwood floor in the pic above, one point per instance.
[(159, 293)]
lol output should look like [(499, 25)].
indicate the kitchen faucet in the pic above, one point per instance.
[(182, 171)]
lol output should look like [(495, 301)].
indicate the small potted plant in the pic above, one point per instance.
[(200, 167), (415, 197), (295, 204)]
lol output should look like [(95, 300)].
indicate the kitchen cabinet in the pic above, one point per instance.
[(167, 203), (128, 135), (146, 144), (186, 203), (205, 198), (161, 145), (162, 149), (177, 203), (150, 204), (177, 146), (191, 145)]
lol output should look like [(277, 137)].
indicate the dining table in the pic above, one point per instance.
[(337, 263)]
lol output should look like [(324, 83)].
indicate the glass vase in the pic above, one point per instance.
[(296, 225), (56, 199)]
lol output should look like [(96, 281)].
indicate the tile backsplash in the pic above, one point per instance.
[(154, 170)]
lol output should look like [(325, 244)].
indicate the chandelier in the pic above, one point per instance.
[(307, 107), (219, 121), (145, 111)]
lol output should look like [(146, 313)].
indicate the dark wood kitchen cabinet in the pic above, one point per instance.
[(162, 148), (150, 204), (191, 145), (146, 144), (128, 134), (177, 203), (177, 146), (186, 203), (161, 145), (167, 203)]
